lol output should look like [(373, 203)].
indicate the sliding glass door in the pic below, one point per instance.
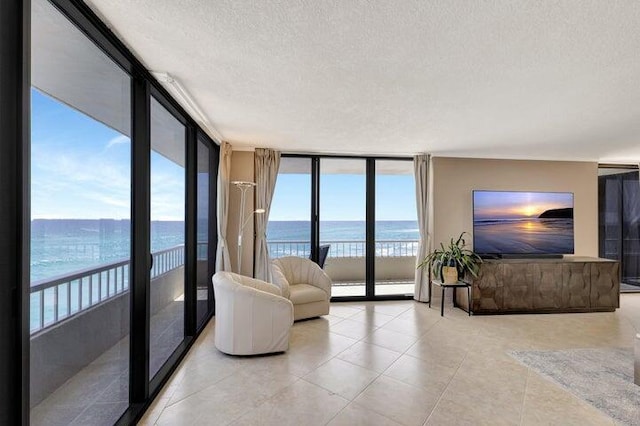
[(356, 217), (396, 227), (123, 225), (168, 181), (289, 227), (619, 224), (342, 214), (80, 227), (207, 161)]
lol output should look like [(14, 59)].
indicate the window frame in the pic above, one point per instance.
[(370, 218), (15, 18)]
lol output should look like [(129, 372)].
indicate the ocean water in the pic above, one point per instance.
[(67, 245), (342, 230), (64, 246)]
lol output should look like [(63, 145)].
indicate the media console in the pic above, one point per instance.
[(570, 284)]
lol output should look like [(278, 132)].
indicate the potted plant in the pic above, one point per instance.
[(452, 262)]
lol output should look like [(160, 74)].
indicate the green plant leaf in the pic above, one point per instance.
[(456, 253)]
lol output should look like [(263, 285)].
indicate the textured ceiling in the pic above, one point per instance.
[(502, 79)]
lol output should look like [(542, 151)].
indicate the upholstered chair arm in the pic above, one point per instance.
[(260, 285), (280, 280), (320, 279), (279, 309)]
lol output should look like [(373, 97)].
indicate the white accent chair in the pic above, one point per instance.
[(252, 317), (305, 284)]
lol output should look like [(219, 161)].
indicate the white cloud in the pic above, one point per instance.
[(70, 183), (120, 139)]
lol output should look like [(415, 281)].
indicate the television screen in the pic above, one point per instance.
[(506, 222)]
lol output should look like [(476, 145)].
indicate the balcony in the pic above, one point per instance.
[(84, 384), (395, 262)]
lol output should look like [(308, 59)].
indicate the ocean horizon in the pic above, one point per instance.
[(62, 246)]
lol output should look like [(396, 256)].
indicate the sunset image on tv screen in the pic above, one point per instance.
[(523, 222)]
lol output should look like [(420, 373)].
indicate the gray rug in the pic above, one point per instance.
[(602, 377)]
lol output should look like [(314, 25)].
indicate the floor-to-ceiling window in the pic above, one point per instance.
[(107, 149), (14, 205), (168, 187), (342, 214), (80, 226), (289, 226), (207, 161), (396, 231), (619, 221), (354, 216)]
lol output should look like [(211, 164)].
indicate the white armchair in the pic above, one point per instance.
[(305, 284), (251, 315)]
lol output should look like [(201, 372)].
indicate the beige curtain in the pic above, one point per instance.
[(223, 259), (267, 162), (422, 170)]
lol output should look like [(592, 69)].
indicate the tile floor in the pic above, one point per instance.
[(393, 363)]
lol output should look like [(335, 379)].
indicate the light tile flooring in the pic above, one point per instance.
[(394, 363)]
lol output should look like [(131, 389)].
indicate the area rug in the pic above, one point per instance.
[(602, 377)]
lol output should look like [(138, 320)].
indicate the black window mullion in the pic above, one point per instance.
[(14, 210), (190, 281), (315, 208), (141, 260), (621, 224), (602, 207), (370, 244)]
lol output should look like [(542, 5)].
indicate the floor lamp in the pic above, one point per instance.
[(242, 220)]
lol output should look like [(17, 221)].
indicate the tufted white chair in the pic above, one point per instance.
[(252, 317), (305, 284)]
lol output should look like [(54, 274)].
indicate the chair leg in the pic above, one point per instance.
[(442, 304), (469, 299)]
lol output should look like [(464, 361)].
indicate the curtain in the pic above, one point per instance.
[(223, 260), (421, 168), (267, 162)]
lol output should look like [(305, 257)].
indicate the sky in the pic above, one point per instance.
[(514, 205), (342, 197), (80, 169)]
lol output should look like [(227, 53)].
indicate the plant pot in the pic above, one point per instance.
[(450, 274)]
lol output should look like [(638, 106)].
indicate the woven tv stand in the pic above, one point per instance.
[(570, 284)]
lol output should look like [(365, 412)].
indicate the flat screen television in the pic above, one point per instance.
[(515, 223)]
